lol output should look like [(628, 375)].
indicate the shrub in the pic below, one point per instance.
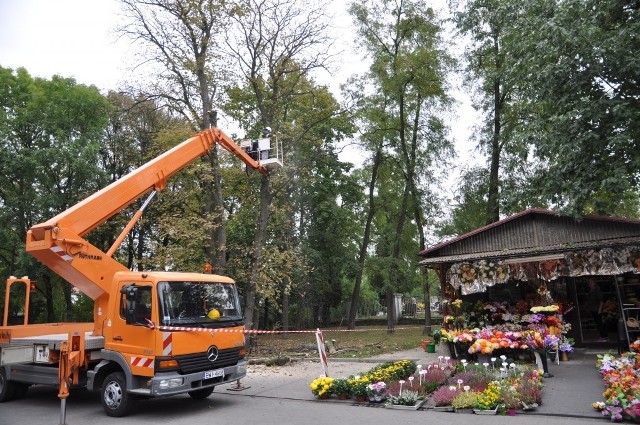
[(395, 387), (530, 393), (341, 387), (490, 397), (359, 385), (435, 375), (465, 400), (444, 396), (480, 377), (322, 386), (406, 398), (392, 370), (465, 377), (430, 387)]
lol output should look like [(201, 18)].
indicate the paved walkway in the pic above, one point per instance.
[(576, 383)]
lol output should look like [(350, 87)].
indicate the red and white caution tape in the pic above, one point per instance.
[(225, 330), (258, 331)]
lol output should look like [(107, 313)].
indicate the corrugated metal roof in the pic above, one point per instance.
[(532, 251), (534, 231)]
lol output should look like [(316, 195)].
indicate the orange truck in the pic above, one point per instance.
[(154, 333)]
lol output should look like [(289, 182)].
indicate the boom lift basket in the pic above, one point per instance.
[(267, 151)]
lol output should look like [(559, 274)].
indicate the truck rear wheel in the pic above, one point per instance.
[(7, 388), (201, 394), (116, 401)]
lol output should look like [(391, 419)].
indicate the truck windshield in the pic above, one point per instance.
[(202, 303)]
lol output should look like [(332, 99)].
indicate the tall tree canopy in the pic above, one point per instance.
[(581, 96), (407, 75), (560, 91), (50, 135), (181, 39)]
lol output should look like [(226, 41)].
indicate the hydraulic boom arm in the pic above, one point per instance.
[(102, 205), (58, 242)]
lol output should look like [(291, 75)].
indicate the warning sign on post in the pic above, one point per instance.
[(322, 352)]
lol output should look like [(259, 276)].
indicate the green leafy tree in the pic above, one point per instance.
[(181, 42), (50, 135), (407, 71), (580, 101), (489, 73), (277, 44)]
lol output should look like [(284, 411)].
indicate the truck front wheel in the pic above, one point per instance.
[(116, 401), (201, 394), (7, 388)]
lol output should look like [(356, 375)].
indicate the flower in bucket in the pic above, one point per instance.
[(566, 345), (322, 386)]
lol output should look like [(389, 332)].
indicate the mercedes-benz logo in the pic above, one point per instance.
[(212, 353)]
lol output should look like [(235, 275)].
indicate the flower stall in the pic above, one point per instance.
[(494, 275)]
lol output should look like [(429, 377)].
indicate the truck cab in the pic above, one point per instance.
[(169, 333)]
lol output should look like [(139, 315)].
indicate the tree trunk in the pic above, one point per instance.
[(216, 249), (391, 310), (395, 254), (355, 297), (258, 246), (493, 203), (285, 311), (66, 291), (48, 291)]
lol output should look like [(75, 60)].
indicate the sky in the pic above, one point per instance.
[(72, 38), (75, 38)]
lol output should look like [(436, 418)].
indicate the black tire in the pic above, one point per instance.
[(116, 401), (201, 394), (7, 388)]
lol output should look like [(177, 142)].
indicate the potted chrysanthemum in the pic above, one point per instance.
[(376, 391), (321, 387), (341, 388)]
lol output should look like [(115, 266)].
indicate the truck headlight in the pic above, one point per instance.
[(166, 384)]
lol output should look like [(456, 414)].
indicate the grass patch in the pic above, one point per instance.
[(363, 342)]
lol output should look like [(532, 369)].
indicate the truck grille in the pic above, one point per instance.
[(198, 362)]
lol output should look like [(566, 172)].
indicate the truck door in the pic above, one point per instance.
[(135, 341)]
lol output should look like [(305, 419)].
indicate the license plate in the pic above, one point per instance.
[(213, 374)]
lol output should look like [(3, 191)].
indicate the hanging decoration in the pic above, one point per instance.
[(477, 276)]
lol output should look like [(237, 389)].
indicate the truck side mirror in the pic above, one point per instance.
[(130, 293)]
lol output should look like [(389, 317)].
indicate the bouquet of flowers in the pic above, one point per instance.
[(566, 344)]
